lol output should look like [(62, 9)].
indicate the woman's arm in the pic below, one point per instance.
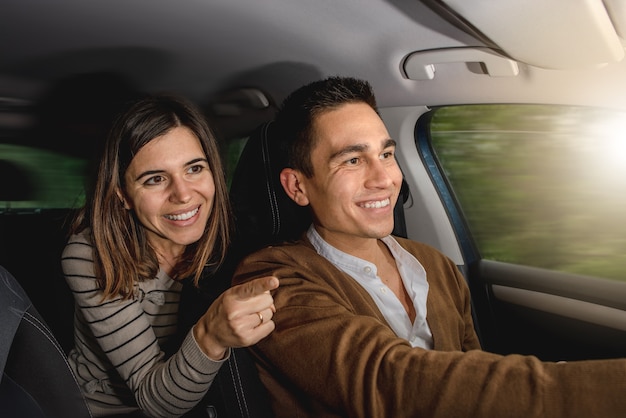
[(122, 332)]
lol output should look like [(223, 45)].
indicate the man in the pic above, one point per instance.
[(370, 325)]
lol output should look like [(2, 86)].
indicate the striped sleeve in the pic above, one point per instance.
[(118, 338)]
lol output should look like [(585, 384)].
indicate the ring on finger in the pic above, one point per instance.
[(260, 318)]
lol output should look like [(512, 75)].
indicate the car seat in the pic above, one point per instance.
[(264, 215), (36, 379), (237, 391)]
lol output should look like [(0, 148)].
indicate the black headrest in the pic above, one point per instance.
[(264, 214)]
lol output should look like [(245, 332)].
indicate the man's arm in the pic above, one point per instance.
[(332, 343)]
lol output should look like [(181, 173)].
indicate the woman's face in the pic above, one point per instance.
[(170, 188)]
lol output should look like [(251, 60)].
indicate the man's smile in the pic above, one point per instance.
[(376, 204)]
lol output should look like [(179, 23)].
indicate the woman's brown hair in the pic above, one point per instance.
[(122, 254)]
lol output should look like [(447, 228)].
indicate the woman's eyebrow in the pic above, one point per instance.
[(149, 173), (197, 160), (153, 172)]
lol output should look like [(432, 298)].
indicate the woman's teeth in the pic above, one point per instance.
[(182, 216)]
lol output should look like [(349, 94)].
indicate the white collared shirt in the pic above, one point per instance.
[(413, 275)]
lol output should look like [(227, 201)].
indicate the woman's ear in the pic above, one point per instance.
[(290, 179), (123, 200)]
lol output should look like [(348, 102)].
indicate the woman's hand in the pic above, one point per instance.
[(239, 317)]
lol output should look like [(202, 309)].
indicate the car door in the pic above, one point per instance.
[(535, 196)]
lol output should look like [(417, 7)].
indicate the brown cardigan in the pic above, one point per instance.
[(334, 355)]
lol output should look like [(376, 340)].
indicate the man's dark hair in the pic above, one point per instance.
[(294, 121)]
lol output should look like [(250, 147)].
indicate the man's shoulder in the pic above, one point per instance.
[(411, 246), (294, 258), (287, 249)]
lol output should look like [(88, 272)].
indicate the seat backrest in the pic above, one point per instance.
[(42, 233), (36, 380), (237, 391), (264, 214)]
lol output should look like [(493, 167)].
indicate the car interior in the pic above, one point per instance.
[(509, 119)]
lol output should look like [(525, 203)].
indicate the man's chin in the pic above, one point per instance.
[(381, 233)]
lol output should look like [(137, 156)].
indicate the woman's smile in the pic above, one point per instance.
[(183, 216)]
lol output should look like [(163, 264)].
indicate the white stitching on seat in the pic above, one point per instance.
[(41, 327), (35, 322), (243, 407), (268, 175)]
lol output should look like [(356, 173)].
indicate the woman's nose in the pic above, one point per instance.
[(180, 191)]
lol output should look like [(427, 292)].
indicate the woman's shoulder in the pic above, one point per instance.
[(79, 243), (77, 256)]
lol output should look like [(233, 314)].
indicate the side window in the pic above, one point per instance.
[(231, 151), (537, 185), (34, 178)]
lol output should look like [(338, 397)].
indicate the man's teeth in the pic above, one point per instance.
[(182, 216), (377, 204)]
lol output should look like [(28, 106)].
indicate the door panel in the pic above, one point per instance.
[(553, 315)]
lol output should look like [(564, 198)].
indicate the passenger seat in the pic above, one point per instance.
[(36, 379)]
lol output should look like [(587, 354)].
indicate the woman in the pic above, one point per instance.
[(159, 214)]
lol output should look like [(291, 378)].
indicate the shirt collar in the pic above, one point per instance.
[(341, 259)]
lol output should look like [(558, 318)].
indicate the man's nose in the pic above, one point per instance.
[(378, 174)]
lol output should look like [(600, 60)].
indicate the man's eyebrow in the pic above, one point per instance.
[(390, 143), (359, 148), (348, 150)]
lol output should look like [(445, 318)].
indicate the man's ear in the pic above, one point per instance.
[(123, 200), (290, 179)]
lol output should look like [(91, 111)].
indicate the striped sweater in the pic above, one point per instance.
[(118, 355)]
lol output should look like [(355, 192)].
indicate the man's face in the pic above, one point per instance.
[(356, 178)]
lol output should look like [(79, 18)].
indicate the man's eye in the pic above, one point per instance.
[(352, 161), (387, 154)]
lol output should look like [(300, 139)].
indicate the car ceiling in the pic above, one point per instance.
[(202, 48)]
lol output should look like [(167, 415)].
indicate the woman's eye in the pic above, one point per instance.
[(194, 169), (154, 180)]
